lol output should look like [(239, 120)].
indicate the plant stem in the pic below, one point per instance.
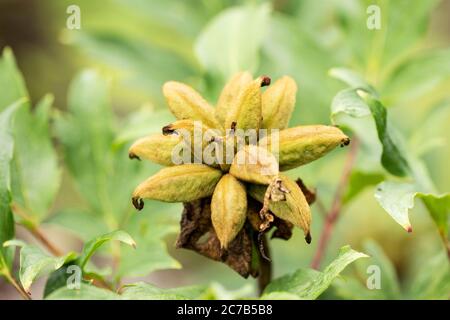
[(16, 285), (265, 269), (34, 229), (37, 233), (333, 214)]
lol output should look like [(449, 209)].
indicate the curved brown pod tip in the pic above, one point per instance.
[(138, 203), (132, 156), (265, 81), (166, 130), (308, 238), (345, 142)]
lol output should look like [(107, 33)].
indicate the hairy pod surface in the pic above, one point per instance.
[(186, 103), (230, 94), (254, 164), (157, 148), (181, 183), (278, 103), (294, 209), (228, 209), (303, 144), (246, 112)]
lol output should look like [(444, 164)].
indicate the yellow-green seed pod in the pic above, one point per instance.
[(230, 94), (157, 148), (186, 103), (303, 144), (278, 102), (181, 183), (228, 209), (246, 112), (254, 164), (294, 209), (192, 131)]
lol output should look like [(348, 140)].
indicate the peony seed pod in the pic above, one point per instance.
[(303, 144), (228, 209), (278, 102), (192, 132), (294, 209), (246, 112), (181, 183), (230, 94), (254, 164), (186, 103), (156, 148)]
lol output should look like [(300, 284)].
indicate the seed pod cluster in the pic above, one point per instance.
[(232, 201)]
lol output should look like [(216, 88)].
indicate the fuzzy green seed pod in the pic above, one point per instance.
[(157, 148), (294, 208), (246, 112), (181, 183), (278, 102), (254, 164), (303, 144), (230, 94), (228, 209), (186, 103)]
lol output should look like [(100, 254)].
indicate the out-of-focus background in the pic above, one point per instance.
[(140, 44)]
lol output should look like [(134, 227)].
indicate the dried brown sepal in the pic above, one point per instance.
[(196, 225), (310, 195), (283, 228)]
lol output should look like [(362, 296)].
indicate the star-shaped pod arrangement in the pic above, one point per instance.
[(231, 185)]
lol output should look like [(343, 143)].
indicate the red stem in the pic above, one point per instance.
[(333, 214)]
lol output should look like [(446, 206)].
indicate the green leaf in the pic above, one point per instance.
[(389, 281), (57, 279), (231, 41), (75, 220), (438, 207), (93, 245), (359, 180), (349, 110), (86, 292), (11, 80), (142, 123), (280, 296), (217, 291), (86, 135), (137, 58), (432, 280), (305, 59), (309, 284), (376, 51), (102, 172), (149, 232), (35, 263), (349, 102), (392, 159), (145, 291), (353, 288), (352, 78), (350, 288), (397, 198), (6, 154), (35, 175), (357, 104), (421, 80)]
